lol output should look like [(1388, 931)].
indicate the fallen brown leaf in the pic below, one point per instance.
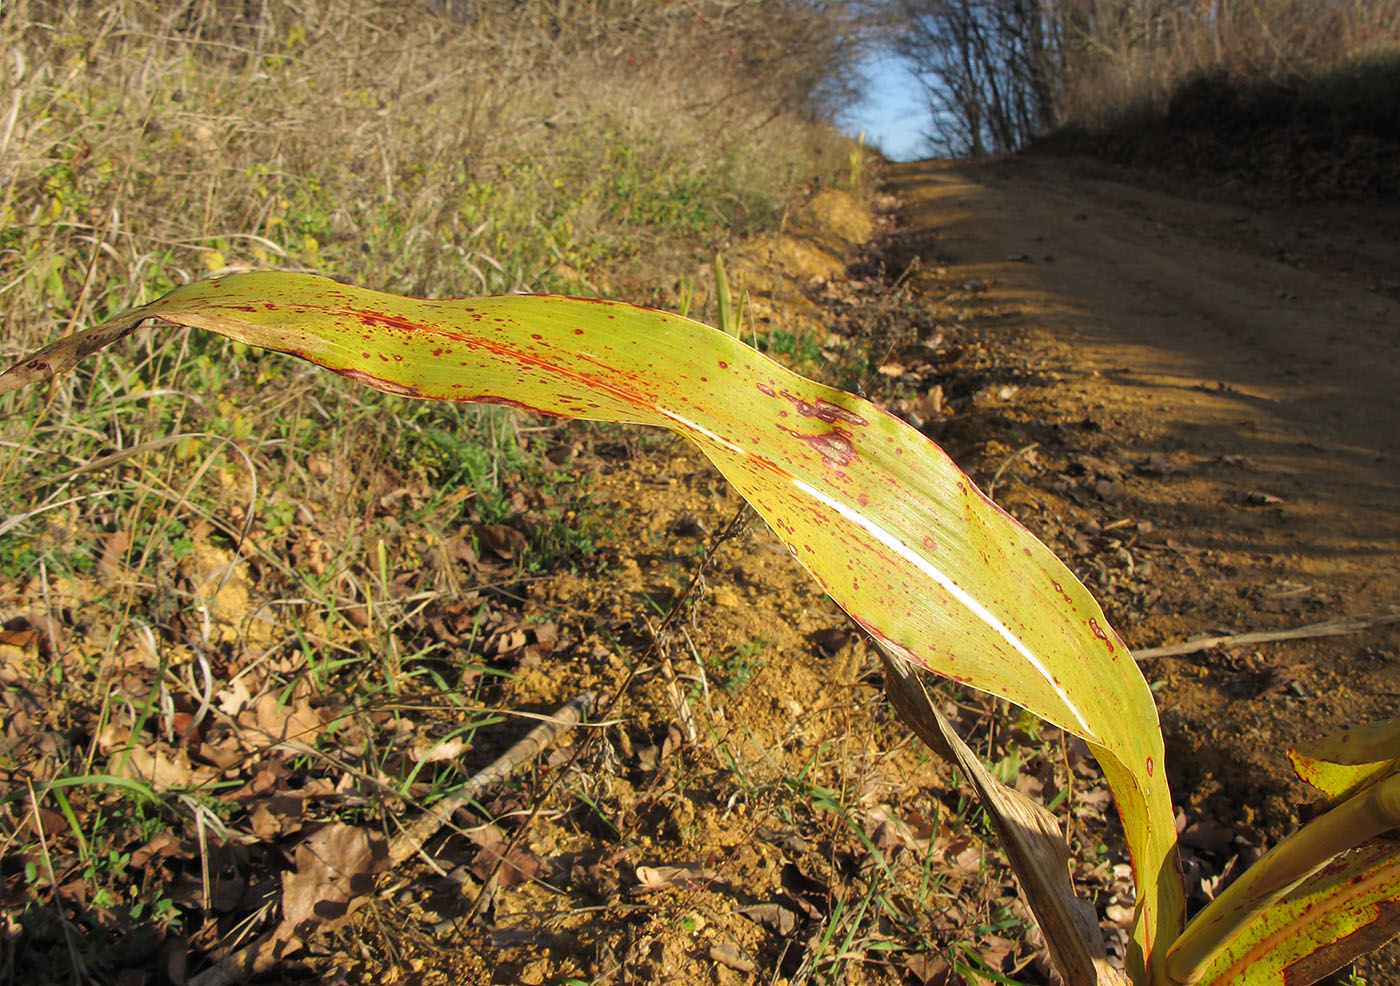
[(774, 917), (334, 867), (652, 878), (733, 957)]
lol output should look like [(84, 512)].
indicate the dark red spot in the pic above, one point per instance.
[(438, 351), (1149, 766), (536, 335), (578, 332), (724, 366), (1099, 632), (365, 355), (863, 500), (767, 390), (269, 306), (929, 543)]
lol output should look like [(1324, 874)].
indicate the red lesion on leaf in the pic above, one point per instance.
[(768, 466), (386, 319), (833, 446), (506, 402), (1098, 631), (824, 410)]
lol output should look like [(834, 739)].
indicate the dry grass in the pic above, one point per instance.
[(1129, 59)]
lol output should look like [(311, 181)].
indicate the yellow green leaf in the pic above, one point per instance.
[(878, 515), (1249, 907), (1346, 909), (1343, 763)]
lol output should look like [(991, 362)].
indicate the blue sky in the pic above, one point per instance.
[(894, 111)]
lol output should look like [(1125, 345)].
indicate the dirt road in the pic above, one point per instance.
[(1213, 391)]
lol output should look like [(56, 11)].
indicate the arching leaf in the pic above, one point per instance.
[(875, 511)]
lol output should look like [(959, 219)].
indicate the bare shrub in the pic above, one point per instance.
[(999, 72), (1132, 57)]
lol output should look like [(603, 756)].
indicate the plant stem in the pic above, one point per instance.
[(1354, 821)]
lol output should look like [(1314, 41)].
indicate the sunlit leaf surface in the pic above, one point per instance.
[(1345, 910), (1344, 763), (878, 514)]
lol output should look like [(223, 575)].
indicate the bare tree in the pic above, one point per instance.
[(987, 68)]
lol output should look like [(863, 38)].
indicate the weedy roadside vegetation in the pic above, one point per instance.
[(430, 149)]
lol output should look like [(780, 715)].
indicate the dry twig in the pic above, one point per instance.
[(412, 838), (1330, 628)]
